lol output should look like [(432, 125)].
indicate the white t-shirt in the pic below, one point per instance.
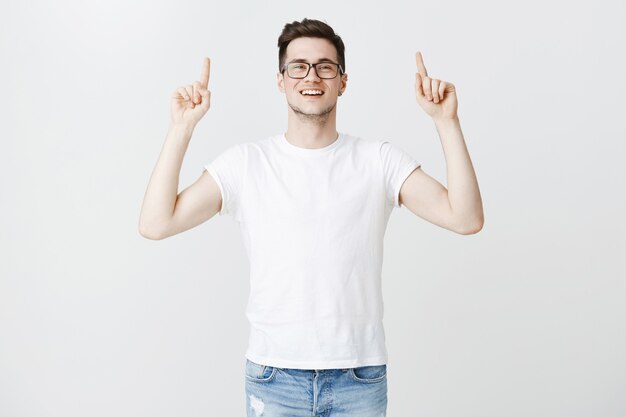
[(312, 223)]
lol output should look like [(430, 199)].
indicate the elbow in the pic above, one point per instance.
[(149, 233), (471, 230), (473, 227)]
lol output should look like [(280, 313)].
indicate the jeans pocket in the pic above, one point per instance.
[(369, 374), (259, 373)]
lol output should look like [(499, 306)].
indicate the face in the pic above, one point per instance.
[(312, 50)]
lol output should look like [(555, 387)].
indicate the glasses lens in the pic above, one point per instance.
[(324, 70), (297, 69)]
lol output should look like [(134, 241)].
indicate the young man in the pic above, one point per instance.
[(313, 206)]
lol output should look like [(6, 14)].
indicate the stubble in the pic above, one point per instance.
[(313, 118)]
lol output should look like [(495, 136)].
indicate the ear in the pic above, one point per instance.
[(280, 82), (343, 84)]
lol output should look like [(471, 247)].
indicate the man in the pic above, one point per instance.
[(313, 206)]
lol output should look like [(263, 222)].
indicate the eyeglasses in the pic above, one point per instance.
[(324, 70)]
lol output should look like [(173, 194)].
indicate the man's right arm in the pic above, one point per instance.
[(164, 212)]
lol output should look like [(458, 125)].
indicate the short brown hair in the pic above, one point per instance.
[(309, 28)]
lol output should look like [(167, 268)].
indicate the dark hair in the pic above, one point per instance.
[(310, 28)]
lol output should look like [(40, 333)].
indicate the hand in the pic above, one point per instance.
[(190, 103), (436, 97)]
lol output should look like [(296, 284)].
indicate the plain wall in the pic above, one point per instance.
[(525, 318)]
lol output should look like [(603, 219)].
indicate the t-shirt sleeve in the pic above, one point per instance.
[(397, 166), (227, 170)]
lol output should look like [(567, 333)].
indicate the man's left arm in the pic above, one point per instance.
[(459, 207)]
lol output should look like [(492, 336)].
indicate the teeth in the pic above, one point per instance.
[(318, 92)]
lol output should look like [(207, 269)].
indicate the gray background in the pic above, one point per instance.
[(526, 318)]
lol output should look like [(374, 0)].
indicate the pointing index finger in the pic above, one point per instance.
[(206, 71), (420, 64)]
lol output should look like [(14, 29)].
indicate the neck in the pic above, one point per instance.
[(311, 131)]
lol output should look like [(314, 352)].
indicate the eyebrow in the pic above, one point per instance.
[(304, 60)]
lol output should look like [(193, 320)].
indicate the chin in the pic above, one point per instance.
[(316, 109)]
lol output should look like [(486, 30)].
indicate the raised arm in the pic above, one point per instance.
[(165, 212), (459, 207)]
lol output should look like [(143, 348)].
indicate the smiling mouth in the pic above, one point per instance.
[(312, 93)]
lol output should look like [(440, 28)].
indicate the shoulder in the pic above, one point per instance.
[(361, 144), (245, 148), (376, 144), (262, 145)]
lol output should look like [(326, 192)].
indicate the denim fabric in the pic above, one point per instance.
[(284, 392)]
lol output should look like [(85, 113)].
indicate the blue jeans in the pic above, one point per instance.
[(284, 392)]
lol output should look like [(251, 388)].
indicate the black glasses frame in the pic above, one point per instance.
[(339, 69)]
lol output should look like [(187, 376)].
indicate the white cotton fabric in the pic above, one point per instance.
[(312, 223)]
